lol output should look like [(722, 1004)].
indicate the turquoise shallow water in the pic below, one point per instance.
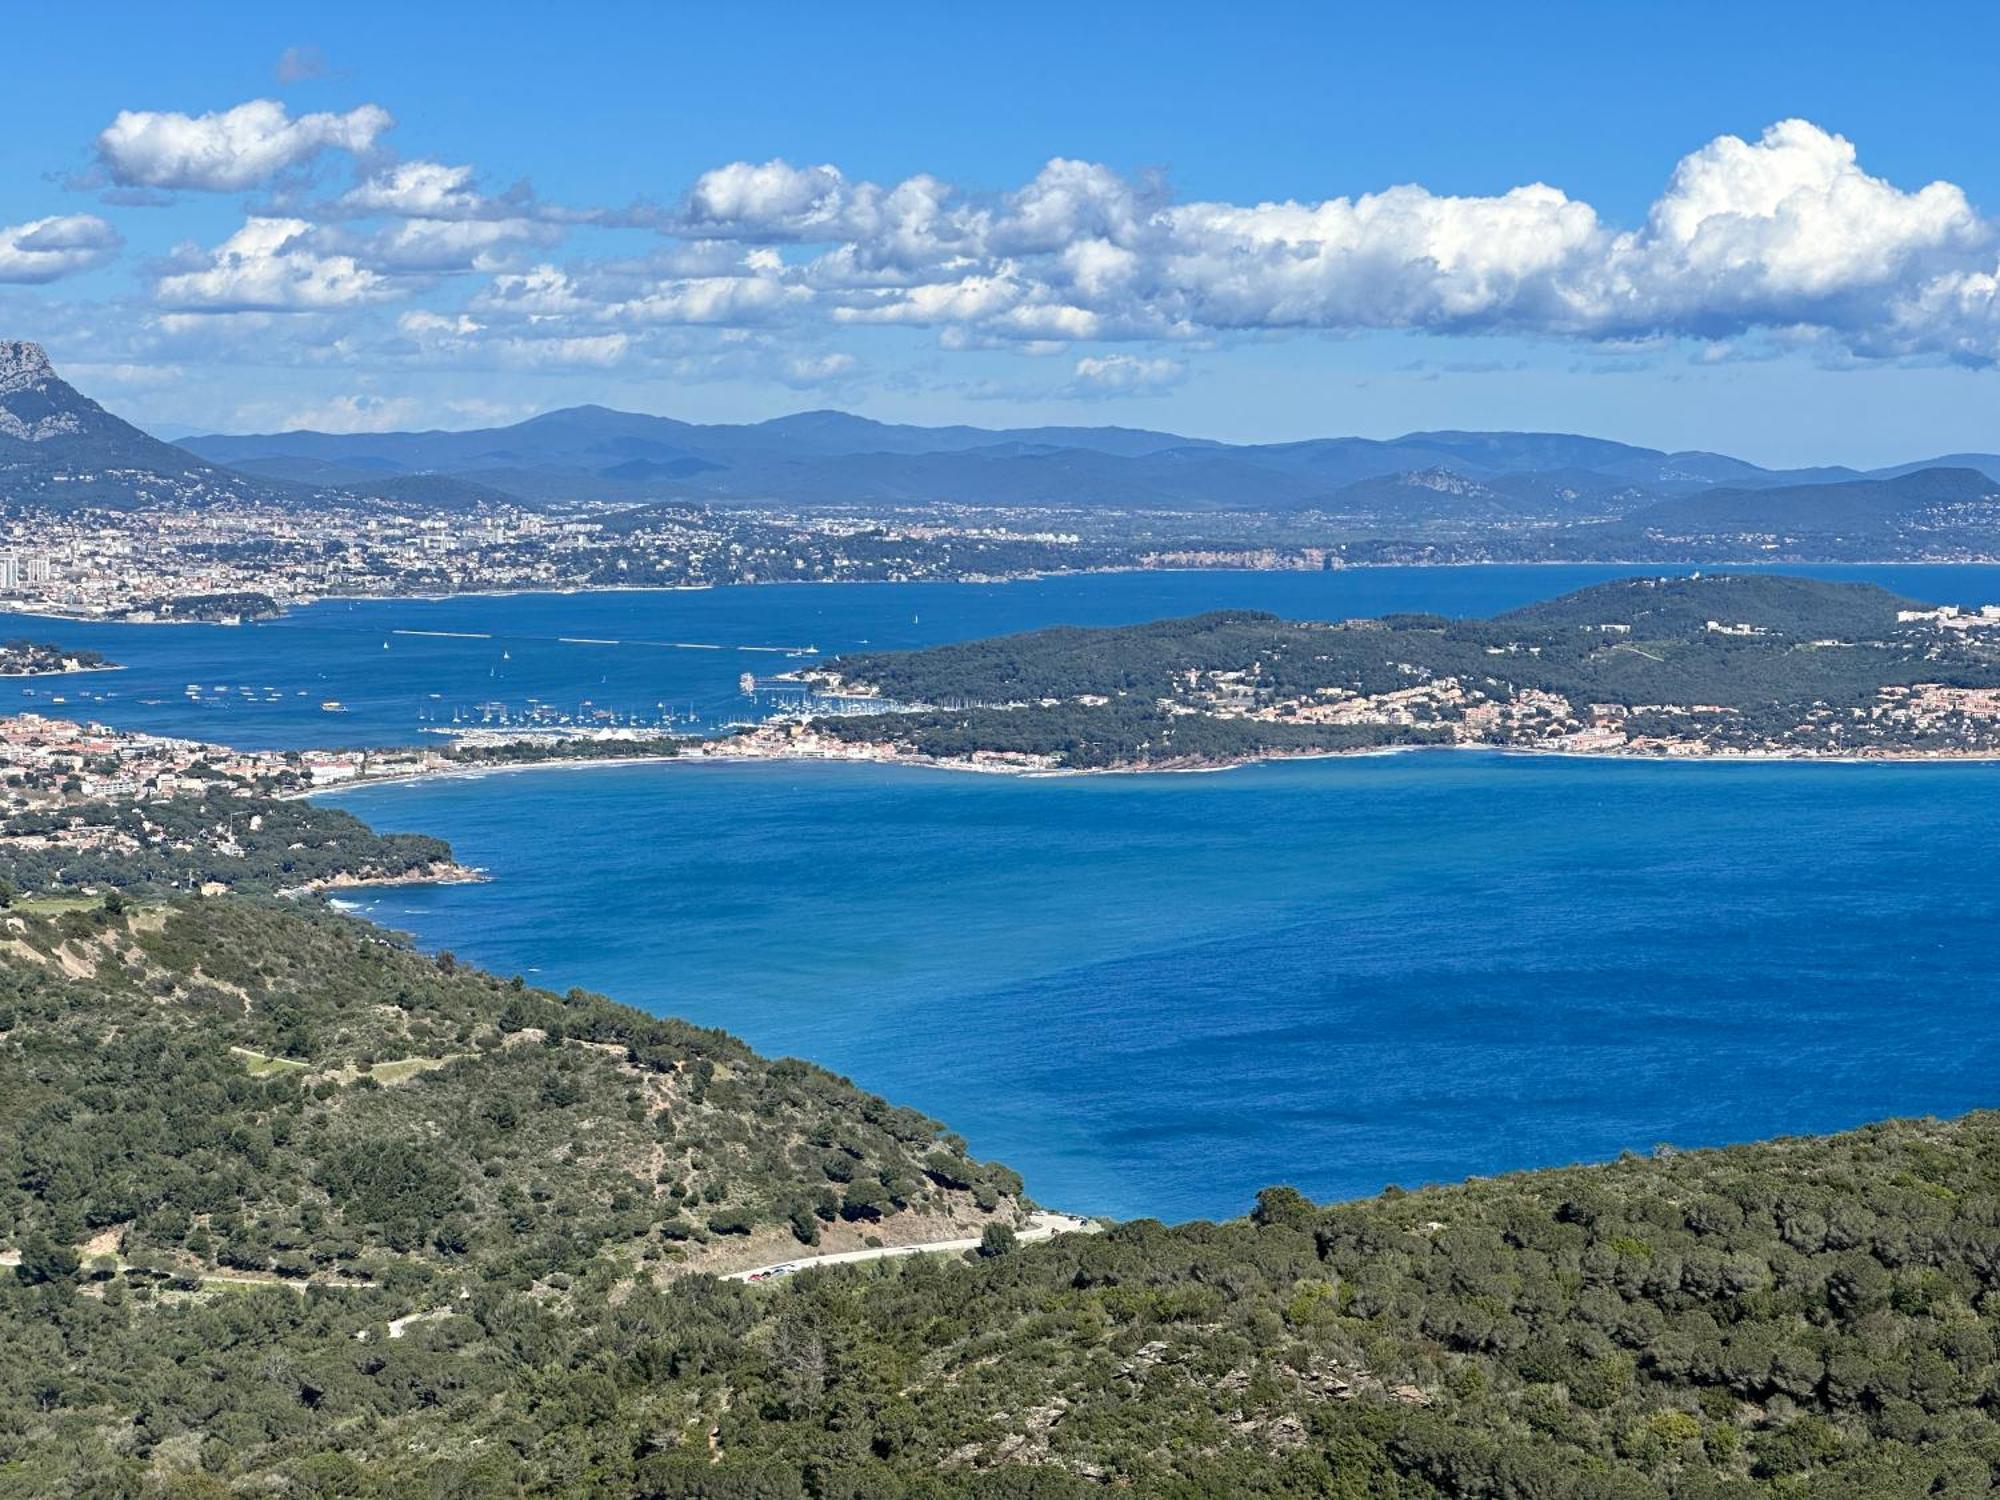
[(1156, 994)]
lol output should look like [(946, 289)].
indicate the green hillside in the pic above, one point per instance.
[(297, 1211), (223, 837), (1931, 498), (245, 1086)]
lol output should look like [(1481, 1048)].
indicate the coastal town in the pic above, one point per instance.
[(53, 763), (146, 565), (1005, 753), (1926, 721)]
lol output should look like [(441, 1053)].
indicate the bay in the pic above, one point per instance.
[(1156, 994)]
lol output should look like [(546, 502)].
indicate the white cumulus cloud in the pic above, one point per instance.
[(418, 189), (43, 250), (1126, 375), (1787, 231), (775, 200), (228, 150), (270, 265), (1778, 239), (416, 245)]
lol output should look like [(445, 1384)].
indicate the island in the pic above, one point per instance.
[(1746, 665)]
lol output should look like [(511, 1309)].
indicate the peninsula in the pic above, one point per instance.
[(288, 1204), (1755, 665), (26, 658)]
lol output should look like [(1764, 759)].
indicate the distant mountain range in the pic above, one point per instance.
[(834, 458), (58, 447), (1960, 496), (828, 457)]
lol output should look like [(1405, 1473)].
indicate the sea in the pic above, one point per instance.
[(1155, 994)]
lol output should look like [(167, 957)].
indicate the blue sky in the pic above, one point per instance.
[(454, 215)]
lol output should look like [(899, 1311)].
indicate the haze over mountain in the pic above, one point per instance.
[(1966, 495), (58, 447), (831, 457)]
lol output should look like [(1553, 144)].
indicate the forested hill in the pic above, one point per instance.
[(21, 657), (1704, 663), (1067, 661), (1657, 607), (292, 1210), (225, 1085)]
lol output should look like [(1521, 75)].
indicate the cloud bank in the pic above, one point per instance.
[(1786, 238), (270, 265), (1787, 232)]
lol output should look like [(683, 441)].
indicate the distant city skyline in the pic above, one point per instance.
[(1774, 235)]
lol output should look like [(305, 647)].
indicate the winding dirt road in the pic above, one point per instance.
[(1041, 1226)]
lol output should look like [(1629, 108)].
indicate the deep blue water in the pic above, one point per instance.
[(1156, 994), (355, 652)]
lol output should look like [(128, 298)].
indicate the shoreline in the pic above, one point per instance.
[(109, 666), (1041, 773), (443, 872), (287, 607), (469, 773)]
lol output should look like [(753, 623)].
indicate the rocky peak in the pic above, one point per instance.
[(34, 403), (22, 365), (1443, 480)]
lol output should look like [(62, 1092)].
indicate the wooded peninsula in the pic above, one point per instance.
[(1701, 665)]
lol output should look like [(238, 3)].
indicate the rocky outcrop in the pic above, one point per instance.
[(23, 364), (27, 412)]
